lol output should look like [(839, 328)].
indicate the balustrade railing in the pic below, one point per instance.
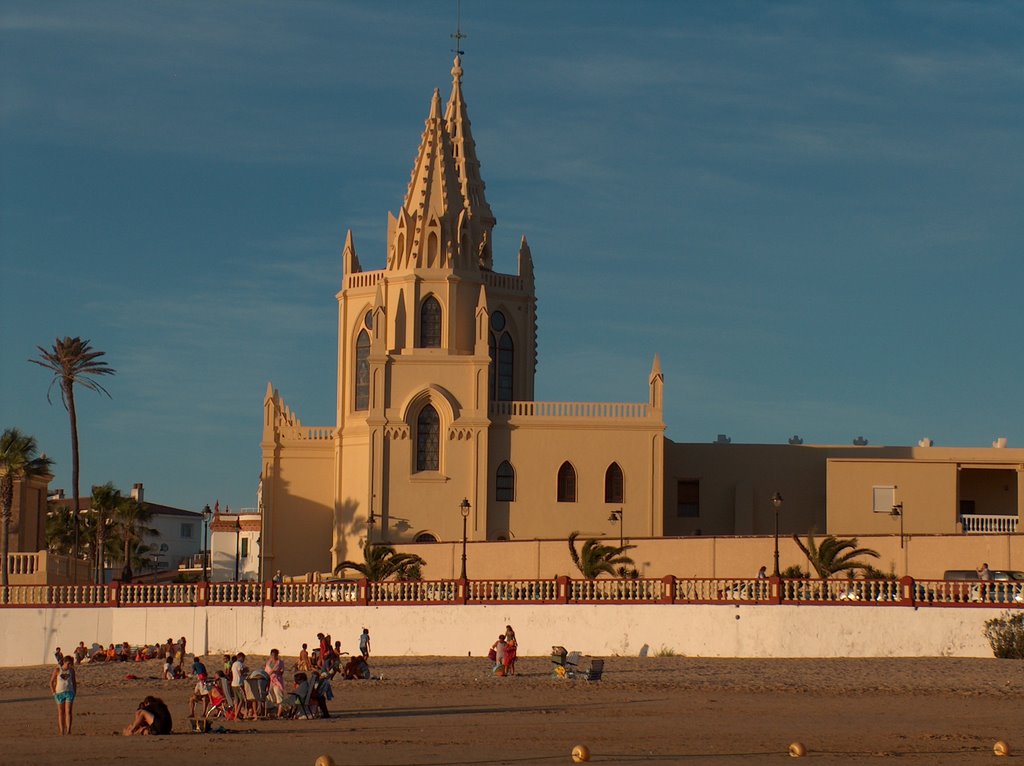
[(561, 590), (606, 410), (235, 592), (513, 591), (977, 523), (153, 595), (635, 591)]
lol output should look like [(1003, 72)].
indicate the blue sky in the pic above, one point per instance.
[(811, 210)]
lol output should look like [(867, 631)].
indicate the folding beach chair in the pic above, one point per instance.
[(595, 670), (221, 704)]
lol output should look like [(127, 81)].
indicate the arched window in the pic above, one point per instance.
[(428, 440), (430, 323), (566, 483), (426, 537), (505, 483), (363, 371), (502, 350), (613, 484)]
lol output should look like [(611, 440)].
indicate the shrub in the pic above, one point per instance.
[(1006, 636), (665, 651), (794, 572)]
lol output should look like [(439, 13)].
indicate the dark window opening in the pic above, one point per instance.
[(566, 483), (363, 371), (428, 440), (505, 483), (613, 484), (430, 323), (688, 498)]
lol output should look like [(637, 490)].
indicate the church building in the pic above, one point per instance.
[(436, 417)]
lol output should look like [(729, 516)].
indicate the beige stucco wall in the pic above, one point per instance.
[(922, 556), (31, 635)]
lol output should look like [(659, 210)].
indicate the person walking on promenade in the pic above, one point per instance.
[(64, 685), (364, 643)]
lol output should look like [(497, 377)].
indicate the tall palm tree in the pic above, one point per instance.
[(131, 517), (73, 360), (595, 558), (105, 500), (834, 555), (18, 460), (382, 561)]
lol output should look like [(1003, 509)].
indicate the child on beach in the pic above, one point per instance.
[(499, 655), (364, 643), (64, 685), (303, 663)]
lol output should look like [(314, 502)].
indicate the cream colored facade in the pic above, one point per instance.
[(436, 362)]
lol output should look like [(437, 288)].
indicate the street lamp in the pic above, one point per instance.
[(615, 517), (238, 540), (464, 507), (207, 513), (897, 512), (777, 505)]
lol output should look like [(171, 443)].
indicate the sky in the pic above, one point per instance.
[(810, 210)]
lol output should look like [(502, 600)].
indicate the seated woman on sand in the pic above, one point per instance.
[(152, 717)]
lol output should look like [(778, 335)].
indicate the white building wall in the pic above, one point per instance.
[(31, 635), (182, 536)]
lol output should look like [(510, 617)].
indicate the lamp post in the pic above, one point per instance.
[(615, 517), (207, 513), (897, 512), (464, 507), (238, 539), (777, 505)]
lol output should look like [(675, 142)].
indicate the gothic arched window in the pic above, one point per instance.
[(363, 371), (430, 323), (505, 482), (502, 351), (567, 483), (613, 484), (428, 440)]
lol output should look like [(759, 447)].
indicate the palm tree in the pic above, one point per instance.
[(59, 535), (834, 554), (596, 558), (105, 500), (382, 561), (131, 517), (73, 360), (18, 461)]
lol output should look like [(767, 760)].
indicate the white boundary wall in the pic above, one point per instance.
[(29, 636)]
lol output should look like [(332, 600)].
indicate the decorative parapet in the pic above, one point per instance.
[(905, 592), (363, 279), (595, 410), (504, 281)]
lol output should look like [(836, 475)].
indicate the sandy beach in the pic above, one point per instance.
[(666, 710)]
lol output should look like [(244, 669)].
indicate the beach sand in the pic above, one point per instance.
[(664, 710)]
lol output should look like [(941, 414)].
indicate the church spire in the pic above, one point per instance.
[(426, 233), (481, 219)]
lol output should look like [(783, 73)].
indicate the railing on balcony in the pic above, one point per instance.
[(975, 523), (607, 410), (561, 590)]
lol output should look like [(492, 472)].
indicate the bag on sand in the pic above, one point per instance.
[(492, 655)]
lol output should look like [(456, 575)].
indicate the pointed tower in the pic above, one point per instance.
[(349, 260), (480, 220), (425, 235)]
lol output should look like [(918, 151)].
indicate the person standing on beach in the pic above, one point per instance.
[(364, 643), (237, 679), (303, 663), (275, 670), (511, 645), (63, 685)]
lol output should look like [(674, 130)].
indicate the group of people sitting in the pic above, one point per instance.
[(238, 692), (172, 653)]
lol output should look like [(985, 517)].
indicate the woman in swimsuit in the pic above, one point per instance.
[(64, 684)]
